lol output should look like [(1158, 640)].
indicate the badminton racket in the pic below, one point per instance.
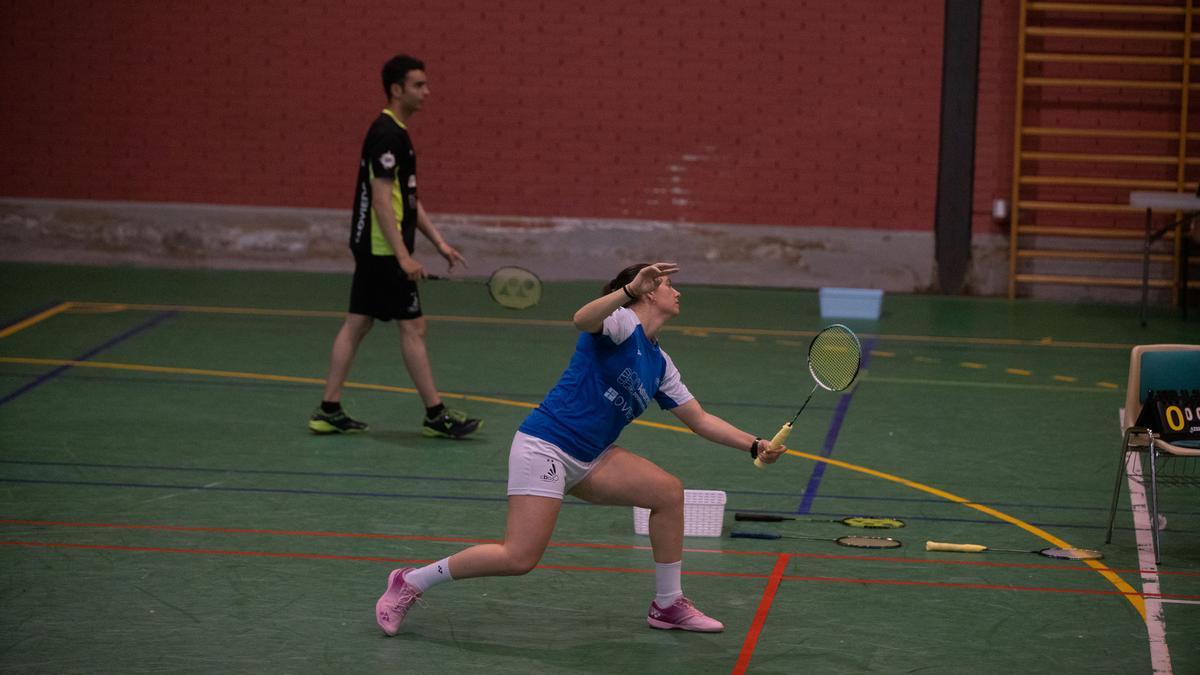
[(834, 357), (1061, 553), (853, 541), (511, 287), (869, 522)]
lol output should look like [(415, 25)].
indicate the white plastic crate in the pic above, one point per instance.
[(703, 514)]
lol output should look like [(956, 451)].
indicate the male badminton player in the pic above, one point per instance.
[(387, 215), (568, 445)]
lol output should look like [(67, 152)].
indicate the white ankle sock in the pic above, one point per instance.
[(667, 585), (430, 575)]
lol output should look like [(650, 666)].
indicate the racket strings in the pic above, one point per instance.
[(1072, 553), (856, 541), (873, 522), (515, 287), (834, 356)]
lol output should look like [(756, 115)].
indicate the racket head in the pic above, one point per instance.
[(858, 541), (873, 522), (834, 357), (515, 287), (1071, 553)]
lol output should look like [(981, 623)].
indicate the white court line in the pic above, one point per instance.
[(1182, 602), (1156, 623)]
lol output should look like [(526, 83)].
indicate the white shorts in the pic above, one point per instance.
[(541, 468)]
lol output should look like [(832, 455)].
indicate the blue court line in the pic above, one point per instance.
[(47, 376), (498, 481), (835, 425), (461, 498), (288, 491), (273, 472), (33, 312)]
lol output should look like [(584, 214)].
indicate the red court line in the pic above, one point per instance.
[(581, 568), (760, 615), (950, 584), (1061, 567), (208, 551)]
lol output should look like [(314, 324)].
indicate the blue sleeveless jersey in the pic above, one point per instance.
[(610, 381)]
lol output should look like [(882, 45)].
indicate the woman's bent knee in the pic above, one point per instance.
[(668, 494), (518, 565)]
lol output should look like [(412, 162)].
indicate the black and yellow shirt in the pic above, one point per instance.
[(387, 152)]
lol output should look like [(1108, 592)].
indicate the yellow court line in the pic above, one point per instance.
[(37, 318), (248, 376), (1129, 593), (987, 385), (687, 330)]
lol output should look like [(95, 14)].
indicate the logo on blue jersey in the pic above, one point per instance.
[(633, 384), (621, 403)]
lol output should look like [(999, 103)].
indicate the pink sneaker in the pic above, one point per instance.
[(393, 605), (682, 614)]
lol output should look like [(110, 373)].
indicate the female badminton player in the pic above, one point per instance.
[(568, 445)]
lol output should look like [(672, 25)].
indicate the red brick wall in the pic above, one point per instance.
[(780, 112), (995, 109)]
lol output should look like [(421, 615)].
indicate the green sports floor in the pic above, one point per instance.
[(163, 507)]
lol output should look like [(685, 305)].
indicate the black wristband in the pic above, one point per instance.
[(754, 448), (626, 289)]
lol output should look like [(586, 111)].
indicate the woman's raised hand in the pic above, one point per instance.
[(650, 277)]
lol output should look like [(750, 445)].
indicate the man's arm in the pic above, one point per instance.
[(425, 225), (381, 201)]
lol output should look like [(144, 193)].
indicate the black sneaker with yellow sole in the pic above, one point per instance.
[(450, 424), (338, 422)]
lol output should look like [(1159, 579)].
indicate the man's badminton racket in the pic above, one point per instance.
[(1062, 553), (511, 287), (834, 356), (853, 541), (869, 522)]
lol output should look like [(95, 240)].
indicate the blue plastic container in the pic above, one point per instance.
[(851, 303)]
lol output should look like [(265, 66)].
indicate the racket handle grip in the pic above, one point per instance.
[(735, 534), (760, 517), (959, 548), (778, 440)]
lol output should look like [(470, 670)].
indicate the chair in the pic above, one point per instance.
[(1156, 368)]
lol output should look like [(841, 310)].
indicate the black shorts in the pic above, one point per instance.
[(382, 291)]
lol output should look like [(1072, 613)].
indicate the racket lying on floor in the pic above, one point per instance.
[(1062, 553), (834, 357), (853, 541), (870, 522), (511, 287)]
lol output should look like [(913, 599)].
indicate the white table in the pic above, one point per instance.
[(1186, 202)]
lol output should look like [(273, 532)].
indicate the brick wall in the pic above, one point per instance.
[(995, 110), (780, 112)]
